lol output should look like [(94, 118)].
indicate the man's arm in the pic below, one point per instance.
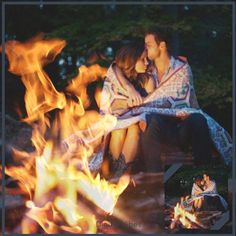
[(196, 190), (163, 97), (211, 188)]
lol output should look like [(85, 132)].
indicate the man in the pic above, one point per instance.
[(213, 200), (209, 184), (160, 129)]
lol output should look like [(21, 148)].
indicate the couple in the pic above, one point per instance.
[(204, 191), (151, 93)]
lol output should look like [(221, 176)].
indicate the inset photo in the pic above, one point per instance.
[(197, 200)]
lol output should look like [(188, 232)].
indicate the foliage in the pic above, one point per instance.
[(212, 89)]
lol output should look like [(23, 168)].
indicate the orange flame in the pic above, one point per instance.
[(182, 215), (86, 75), (27, 60), (57, 170), (100, 192)]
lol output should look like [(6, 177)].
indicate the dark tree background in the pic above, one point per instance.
[(202, 33), (180, 184)]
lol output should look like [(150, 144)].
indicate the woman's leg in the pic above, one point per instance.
[(198, 203), (117, 142), (129, 151), (131, 144)]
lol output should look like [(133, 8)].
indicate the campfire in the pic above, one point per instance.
[(61, 192), (184, 216)]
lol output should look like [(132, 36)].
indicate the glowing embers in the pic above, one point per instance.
[(184, 216)]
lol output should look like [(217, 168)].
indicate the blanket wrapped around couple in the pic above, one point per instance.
[(212, 201), (172, 97), (210, 196)]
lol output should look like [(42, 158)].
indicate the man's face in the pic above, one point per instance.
[(206, 177), (152, 47)]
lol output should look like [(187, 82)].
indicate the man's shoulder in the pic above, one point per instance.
[(180, 60)]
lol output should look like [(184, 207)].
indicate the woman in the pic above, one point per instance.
[(131, 61), (197, 190)]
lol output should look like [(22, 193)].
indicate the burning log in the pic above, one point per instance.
[(172, 155), (119, 222), (211, 216), (180, 218)]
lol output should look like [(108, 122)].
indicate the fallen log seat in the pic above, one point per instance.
[(173, 154)]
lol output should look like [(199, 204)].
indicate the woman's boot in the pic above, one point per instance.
[(121, 166)]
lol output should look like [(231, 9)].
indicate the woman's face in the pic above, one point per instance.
[(141, 64)]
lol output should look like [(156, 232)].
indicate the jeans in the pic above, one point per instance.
[(192, 131)]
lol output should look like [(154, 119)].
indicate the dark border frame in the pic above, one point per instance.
[(41, 2)]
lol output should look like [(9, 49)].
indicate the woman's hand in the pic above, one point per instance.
[(198, 192), (134, 98)]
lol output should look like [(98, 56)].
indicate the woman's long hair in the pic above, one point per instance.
[(198, 181), (127, 57)]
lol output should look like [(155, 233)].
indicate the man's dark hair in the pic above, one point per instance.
[(161, 34)]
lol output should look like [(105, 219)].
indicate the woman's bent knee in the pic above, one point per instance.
[(134, 130), (118, 134)]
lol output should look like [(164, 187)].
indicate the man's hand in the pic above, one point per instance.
[(184, 117), (135, 98), (142, 125)]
